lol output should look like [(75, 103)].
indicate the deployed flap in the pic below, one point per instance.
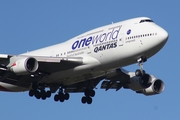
[(116, 80)]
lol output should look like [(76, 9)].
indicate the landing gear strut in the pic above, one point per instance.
[(140, 72)]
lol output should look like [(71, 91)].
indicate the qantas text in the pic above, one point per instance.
[(105, 47)]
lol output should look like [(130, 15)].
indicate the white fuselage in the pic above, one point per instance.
[(105, 48)]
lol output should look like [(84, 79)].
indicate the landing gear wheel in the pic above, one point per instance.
[(89, 100), (143, 72), (92, 93), (31, 93), (37, 95), (48, 94), (61, 97), (43, 97), (84, 99), (56, 97), (66, 96), (86, 93), (139, 73), (43, 94), (89, 93)]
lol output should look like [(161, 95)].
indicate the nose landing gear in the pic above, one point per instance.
[(140, 72)]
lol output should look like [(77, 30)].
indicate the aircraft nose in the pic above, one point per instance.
[(164, 35)]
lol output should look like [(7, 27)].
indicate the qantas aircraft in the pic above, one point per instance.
[(94, 57)]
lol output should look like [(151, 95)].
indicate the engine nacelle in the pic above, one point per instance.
[(139, 83), (156, 88), (24, 66)]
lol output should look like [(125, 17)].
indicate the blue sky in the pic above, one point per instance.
[(29, 25)]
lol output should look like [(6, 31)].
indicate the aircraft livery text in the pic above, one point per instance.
[(112, 34)]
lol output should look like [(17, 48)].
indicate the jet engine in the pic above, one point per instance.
[(156, 87), (128, 79), (24, 66), (146, 84)]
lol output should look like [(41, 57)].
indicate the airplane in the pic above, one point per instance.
[(81, 63)]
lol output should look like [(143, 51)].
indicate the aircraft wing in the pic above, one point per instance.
[(55, 64), (13, 69), (45, 64)]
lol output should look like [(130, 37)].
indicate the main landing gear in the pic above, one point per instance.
[(39, 92), (61, 96), (88, 96)]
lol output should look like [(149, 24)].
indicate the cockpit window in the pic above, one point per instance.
[(146, 20)]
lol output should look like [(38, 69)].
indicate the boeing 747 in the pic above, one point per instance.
[(79, 64)]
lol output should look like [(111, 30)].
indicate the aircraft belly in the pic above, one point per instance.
[(71, 77)]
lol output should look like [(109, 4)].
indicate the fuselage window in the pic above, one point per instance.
[(143, 35)]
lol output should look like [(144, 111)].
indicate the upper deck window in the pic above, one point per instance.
[(146, 20)]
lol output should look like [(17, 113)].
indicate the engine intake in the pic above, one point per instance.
[(156, 88), (24, 66)]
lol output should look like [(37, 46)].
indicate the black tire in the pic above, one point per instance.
[(37, 95), (43, 94), (48, 94), (66, 96), (31, 93), (43, 97), (92, 93), (89, 100), (143, 72), (56, 97), (84, 99), (146, 80), (61, 97), (138, 73)]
